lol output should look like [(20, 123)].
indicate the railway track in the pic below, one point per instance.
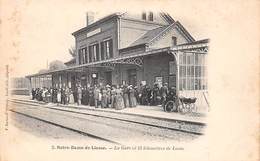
[(67, 128), (172, 124), (163, 126)]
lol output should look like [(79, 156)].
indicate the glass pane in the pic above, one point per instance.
[(180, 58), (188, 71), (199, 84), (196, 59), (184, 84), (199, 71), (184, 58), (188, 83), (196, 84), (188, 59), (202, 71), (180, 84), (192, 59), (192, 71), (202, 59), (196, 71), (192, 83), (182, 71)]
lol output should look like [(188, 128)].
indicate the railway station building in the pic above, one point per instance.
[(125, 48)]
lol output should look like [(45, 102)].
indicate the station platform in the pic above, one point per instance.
[(141, 110)]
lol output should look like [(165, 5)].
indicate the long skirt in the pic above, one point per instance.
[(104, 101), (91, 101), (126, 100), (132, 101), (59, 97), (119, 102), (54, 98), (71, 98), (113, 98)]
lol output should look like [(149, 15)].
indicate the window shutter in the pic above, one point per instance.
[(90, 53), (111, 48), (79, 55), (97, 52), (86, 55), (83, 56), (102, 51)]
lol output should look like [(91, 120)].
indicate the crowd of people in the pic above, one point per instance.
[(117, 97)]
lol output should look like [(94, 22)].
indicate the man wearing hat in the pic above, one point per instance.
[(164, 92)]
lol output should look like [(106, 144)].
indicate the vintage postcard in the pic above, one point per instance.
[(129, 80)]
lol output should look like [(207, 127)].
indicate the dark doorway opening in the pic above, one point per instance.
[(73, 82), (132, 77), (108, 77)]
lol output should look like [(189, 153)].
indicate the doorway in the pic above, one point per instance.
[(132, 77), (108, 77)]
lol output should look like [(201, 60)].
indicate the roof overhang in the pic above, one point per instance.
[(199, 47)]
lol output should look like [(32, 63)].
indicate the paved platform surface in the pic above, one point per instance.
[(140, 110)]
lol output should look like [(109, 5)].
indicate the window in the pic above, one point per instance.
[(174, 41), (94, 53), (90, 54), (80, 56), (107, 49), (192, 74), (83, 56), (102, 50), (150, 17), (143, 16), (86, 55)]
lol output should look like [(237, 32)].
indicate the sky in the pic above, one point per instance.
[(38, 32)]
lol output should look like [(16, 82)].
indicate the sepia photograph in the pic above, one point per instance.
[(105, 80)]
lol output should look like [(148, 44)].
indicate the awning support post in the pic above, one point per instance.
[(176, 57)]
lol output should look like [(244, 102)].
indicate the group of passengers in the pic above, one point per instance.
[(115, 96)]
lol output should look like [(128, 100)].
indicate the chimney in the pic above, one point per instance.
[(89, 18)]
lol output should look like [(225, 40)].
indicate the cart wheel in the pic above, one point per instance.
[(169, 106)]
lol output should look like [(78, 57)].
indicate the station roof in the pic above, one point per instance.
[(150, 35), (187, 46)]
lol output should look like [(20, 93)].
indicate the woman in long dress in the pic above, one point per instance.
[(91, 97), (108, 96), (104, 98), (58, 96), (113, 97), (119, 101), (132, 98), (126, 96), (156, 95), (71, 97), (67, 95)]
